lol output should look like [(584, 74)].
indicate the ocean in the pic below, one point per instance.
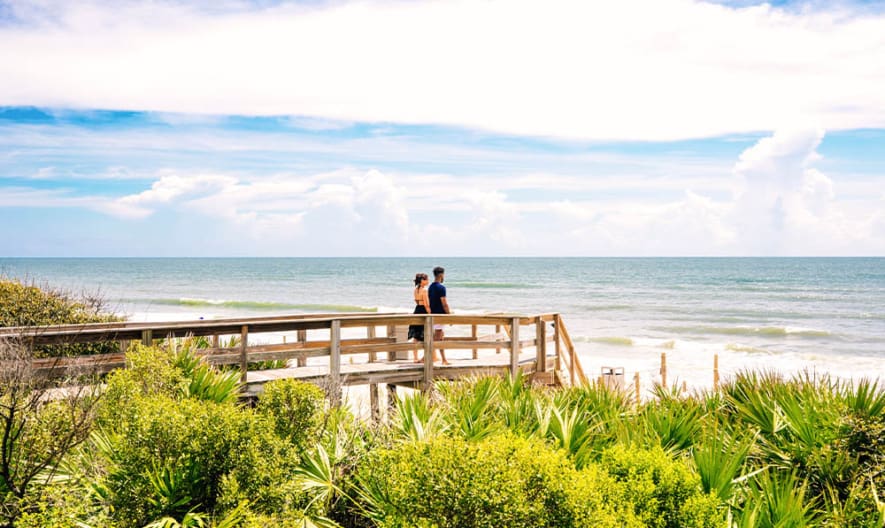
[(821, 315)]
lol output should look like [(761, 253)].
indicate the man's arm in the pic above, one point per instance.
[(445, 304)]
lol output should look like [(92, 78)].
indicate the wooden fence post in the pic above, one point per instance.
[(716, 372), (370, 333), (374, 406), (428, 353), (514, 346), (391, 334), (335, 363), (664, 369), (497, 331), (147, 337), (391, 399), (541, 348), (473, 335), (557, 347), (636, 383), (244, 361), (302, 338)]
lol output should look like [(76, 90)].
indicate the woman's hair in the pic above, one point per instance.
[(419, 277)]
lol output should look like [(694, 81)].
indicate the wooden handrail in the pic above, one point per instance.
[(574, 362)]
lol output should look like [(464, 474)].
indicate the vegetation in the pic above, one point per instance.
[(28, 305), (168, 444)]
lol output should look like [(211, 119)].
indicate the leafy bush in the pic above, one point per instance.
[(295, 409), (501, 481), (24, 305), (167, 457), (665, 492)]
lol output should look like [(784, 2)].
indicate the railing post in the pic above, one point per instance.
[(497, 331), (374, 405), (391, 399), (541, 346), (391, 334), (557, 362), (147, 337), (244, 362), (473, 335), (514, 346), (370, 333), (428, 353), (335, 362), (302, 338)]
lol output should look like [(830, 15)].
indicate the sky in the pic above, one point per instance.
[(442, 128)]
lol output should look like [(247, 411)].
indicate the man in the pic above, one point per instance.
[(438, 305)]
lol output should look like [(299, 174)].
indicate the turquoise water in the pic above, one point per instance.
[(786, 313)]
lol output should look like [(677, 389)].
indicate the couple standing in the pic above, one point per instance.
[(431, 297)]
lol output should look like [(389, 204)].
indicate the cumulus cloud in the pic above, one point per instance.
[(567, 68), (173, 187)]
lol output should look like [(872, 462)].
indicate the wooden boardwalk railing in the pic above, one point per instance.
[(313, 347)]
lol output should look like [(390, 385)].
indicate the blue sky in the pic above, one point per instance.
[(427, 128)]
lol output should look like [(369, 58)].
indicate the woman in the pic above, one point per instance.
[(422, 306)]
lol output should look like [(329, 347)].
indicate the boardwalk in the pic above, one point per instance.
[(338, 350)]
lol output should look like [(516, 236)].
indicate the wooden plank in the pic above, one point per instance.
[(514, 348), (473, 336), (66, 334)]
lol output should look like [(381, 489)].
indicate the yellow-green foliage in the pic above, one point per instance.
[(665, 493), (23, 305), (166, 456), (294, 407), (501, 481)]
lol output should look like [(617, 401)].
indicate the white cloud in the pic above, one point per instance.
[(628, 70), (25, 197), (175, 187), (784, 204)]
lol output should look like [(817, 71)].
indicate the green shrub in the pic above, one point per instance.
[(596, 499), (294, 407), (664, 492), (165, 457), (61, 505), (501, 481), (23, 305)]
